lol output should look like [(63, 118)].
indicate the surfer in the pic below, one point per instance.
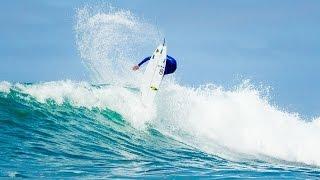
[(171, 64)]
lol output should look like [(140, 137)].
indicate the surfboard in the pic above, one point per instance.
[(153, 74)]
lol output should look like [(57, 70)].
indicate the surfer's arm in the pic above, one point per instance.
[(136, 67), (145, 60)]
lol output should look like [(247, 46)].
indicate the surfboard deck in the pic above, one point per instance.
[(153, 74)]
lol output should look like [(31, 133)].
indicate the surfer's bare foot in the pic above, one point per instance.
[(136, 67)]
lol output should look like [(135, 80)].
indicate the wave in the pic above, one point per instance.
[(233, 124)]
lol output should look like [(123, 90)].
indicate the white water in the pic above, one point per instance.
[(210, 118), (111, 41), (240, 120), (5, 87)]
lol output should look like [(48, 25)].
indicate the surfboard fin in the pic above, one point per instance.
[(164, 41)]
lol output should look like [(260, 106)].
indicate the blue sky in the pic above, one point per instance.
[(276, 43)]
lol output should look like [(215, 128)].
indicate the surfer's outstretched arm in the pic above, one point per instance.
[(145, 60), (136, 67)]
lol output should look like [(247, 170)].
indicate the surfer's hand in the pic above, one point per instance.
[(136, 67)]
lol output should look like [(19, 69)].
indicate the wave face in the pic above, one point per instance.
[(67, 129)]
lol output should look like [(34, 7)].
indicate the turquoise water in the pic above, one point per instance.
[(46, 133)]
